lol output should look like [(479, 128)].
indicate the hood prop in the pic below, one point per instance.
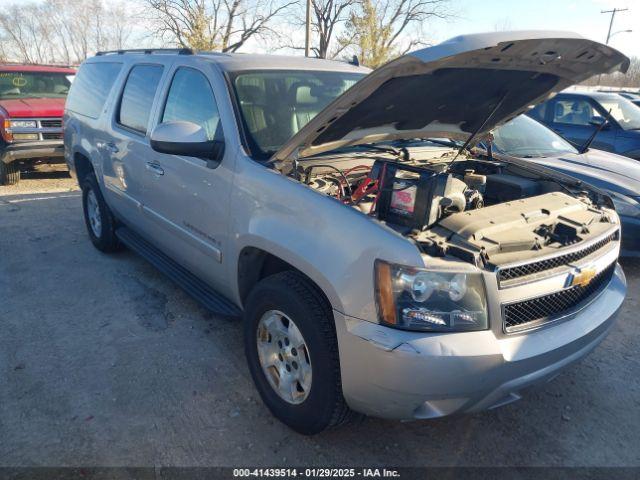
[(478, 130)]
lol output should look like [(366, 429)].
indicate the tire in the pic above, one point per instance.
[(100, 222), (9, 173), (291, 294)]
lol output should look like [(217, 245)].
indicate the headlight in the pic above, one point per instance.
[(25, 136), (625, 206), (430, 300), (22, 124)]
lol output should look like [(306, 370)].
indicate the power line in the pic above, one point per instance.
[(613, 15)]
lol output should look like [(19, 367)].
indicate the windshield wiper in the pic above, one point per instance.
[(393, 151), (445, 143), (590, 140)]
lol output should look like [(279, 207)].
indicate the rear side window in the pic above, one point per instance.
[(91, 88), (191, 99), (138, 95)]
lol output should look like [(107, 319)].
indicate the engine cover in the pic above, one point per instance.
[(504, 232)]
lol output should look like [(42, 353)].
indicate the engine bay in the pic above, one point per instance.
[(482, 211)]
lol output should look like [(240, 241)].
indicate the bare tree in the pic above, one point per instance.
[(327, 20), (63, 30), (23, 31), (619, 80), (224, 25), (503, 24), (379, 30)]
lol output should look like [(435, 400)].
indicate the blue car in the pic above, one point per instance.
[(577, 115), (632, 96), (617, 176)]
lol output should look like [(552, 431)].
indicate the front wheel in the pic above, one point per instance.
[(9, 173), (292, 351)]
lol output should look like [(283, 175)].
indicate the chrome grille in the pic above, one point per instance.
[(51, 123), (51, 136), (538, 311), (45, 129), (510, 273)]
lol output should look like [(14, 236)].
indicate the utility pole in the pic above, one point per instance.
[(307, 39), (613, 16)]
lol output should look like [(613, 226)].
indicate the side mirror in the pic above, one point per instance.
[(188, 139)]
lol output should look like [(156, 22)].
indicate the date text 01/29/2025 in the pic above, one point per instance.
[(316, 472)]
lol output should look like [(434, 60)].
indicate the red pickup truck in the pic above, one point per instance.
[(31, 106)]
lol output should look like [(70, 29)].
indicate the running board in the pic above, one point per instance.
[(200, 291)]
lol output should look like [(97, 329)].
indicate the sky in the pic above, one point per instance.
[(473, 16), (580, 16)]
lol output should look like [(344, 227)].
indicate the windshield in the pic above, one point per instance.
[(275, 104), (623, 111), (34, 85), (524, 137)]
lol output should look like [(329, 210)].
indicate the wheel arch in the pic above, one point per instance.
[(83, 158), (82, 165), (256, 263)]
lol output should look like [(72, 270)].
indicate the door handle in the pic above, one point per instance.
[(155, 168), (108, 146)]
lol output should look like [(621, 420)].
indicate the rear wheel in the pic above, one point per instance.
[(9, 173), (99, 219), (292, 351)]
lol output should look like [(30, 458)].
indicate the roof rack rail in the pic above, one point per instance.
[(147, 51)]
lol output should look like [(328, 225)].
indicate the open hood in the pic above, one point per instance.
[(468, 84)]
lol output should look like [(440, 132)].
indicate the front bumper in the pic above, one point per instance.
[(396, 374), (630, 236), (27, 150)]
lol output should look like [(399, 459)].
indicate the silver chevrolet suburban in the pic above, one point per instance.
[(374, 273)]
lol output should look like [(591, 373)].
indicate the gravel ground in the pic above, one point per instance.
[(103, 361)]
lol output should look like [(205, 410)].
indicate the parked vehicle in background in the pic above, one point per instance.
[(634, 97), (577, 115), (399, 287), (617, 176), (32, 101)]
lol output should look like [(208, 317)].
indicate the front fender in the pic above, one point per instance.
[(331, 243)]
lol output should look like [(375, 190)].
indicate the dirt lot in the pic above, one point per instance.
[(103, 361)]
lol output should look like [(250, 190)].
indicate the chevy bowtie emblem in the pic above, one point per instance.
[(581, 277)]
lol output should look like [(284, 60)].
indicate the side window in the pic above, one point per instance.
[(91, 88), (573, 112), (191, 99), (138, 95)]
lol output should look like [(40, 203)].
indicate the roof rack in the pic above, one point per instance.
[(148, 51)]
